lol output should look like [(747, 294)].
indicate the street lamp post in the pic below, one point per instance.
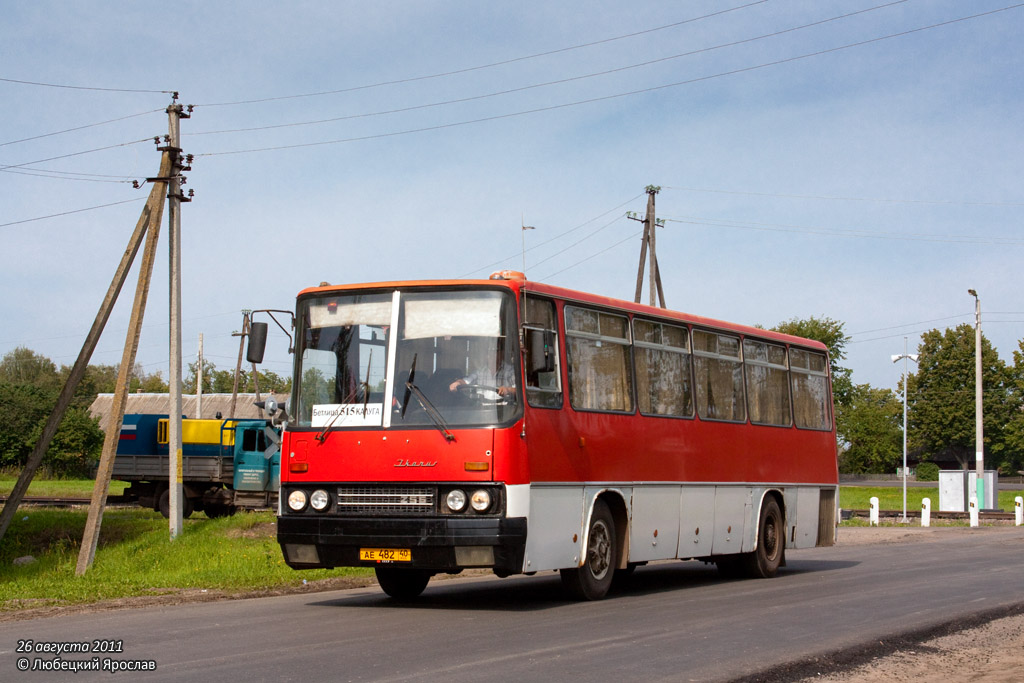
[(905, 357), (979, 441), (525, 228)]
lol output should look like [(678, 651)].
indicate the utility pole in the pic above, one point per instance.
[(174, 198), (979, 431), (151, 213), (91, 535), (199, 380), (238, 366), (648, 241)]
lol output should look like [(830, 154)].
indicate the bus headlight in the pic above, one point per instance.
[(319, 500), (456, 500), (297, 501), (481, 500)]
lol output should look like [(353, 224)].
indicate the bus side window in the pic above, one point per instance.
[(543, 379), (809, 376), (718, 368), (599, 363)]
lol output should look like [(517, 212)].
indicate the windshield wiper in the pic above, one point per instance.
[(428, 407), (430, 410), (409, 385)]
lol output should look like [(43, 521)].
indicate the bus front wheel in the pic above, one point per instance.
[(594, 578), (402, 584)]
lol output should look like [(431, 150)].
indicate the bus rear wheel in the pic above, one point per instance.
[(402, 584), (764, 562), (594, 578)]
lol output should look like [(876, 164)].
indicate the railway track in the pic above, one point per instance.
[(65, 502), (983, 515)]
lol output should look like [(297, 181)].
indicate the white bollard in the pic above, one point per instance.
[(873, 514), (973, 507), (1018, 510), (926, 512)]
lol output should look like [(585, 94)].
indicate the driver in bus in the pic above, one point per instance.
[(502, 380)]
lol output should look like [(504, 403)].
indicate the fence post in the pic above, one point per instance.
[(873, 514), (973, 507), (1018, 510), (926, 512)]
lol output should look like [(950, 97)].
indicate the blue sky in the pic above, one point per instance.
[(809, 164)]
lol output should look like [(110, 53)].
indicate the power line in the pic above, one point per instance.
[(910, 237), (604, 98), (592, 256), (68, 213), (846, 199), (485, 66), (562, 81), (70, 175), (77, 128), (83, 87), (552, 239), (581, 240), (919, 322), (75, 154)]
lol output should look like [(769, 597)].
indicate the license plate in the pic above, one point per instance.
[(385, 554)]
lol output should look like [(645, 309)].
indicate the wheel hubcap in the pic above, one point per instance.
[(599, 551)]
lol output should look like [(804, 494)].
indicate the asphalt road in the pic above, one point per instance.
[(674, 622)]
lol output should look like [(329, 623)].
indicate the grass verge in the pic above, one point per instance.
[(135, 557), (58, 488), (891, 498)]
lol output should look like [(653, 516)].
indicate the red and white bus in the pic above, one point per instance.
[(521, 427)]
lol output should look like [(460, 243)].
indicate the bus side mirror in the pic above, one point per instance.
[(257, 342), (540, 348)]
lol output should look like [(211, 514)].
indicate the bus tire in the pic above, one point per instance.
[(402, 584), (594, 578), (764, 562)]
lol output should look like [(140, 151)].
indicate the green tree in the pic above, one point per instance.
[(830, 333), (940, 398), (75, 447), (1013, 433), (152, 384), (272, 382), (191, 379), (224, 381), (25, 407), (24, 366), (872, 431)]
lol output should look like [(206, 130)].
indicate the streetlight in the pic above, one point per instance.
[(979, 442), (905, 357), (525, 228)]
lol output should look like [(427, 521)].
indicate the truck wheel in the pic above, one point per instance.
[(402, 584), (215, 510), (164, 506), (594, 578)]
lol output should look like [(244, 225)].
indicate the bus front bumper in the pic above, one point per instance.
[(445, 544)]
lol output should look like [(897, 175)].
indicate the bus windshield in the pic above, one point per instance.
[(452, 363)]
